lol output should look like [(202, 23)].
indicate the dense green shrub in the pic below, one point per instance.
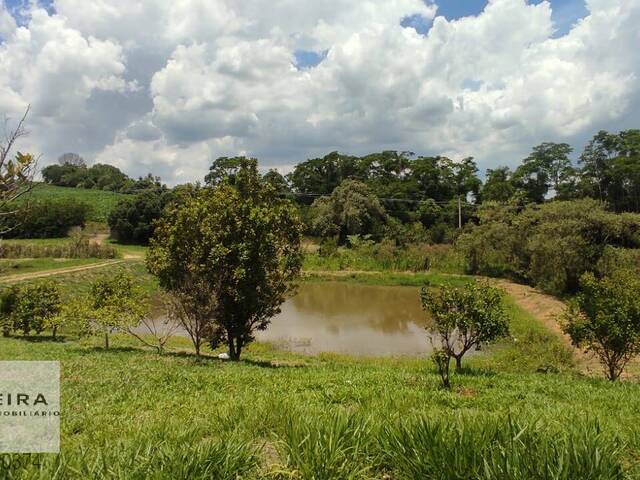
[(35, 306), (549, 245), (131, 221), (48, 218)]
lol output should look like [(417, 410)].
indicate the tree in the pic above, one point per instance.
[(224, 169), (323, 175), (229, 256), (350, 210), (464, 318), (36, 306), (16, 174), (277, 181), (498, 186), (115, 303), (72, 159), (605, 319), (131, 220)]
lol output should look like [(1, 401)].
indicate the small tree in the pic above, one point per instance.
[(604, 318), (8, 300), (228, 255), (161, 331), (36, 306), (442, 361), (114, 304), (464, 318)]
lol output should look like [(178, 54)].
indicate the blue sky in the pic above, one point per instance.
[(565, 12)]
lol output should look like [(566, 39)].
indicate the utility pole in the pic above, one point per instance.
[(459, 213)]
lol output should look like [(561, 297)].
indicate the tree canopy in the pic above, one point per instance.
[(229, 255)]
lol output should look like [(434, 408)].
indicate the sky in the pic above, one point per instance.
[(166, 86)]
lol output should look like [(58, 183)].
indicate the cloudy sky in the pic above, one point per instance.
[(168, 85)]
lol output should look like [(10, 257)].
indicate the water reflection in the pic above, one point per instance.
[(356, 319), (347, 318)]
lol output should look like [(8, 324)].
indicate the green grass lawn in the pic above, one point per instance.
[(19, 266), (101, 201), (129, 412)]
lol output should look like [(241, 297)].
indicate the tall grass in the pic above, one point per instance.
[(385, 256), (78, 246), (448, 447), (160, 455), (499, 449), (324, 448)]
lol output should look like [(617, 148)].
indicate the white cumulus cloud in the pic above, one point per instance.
[(167, 85)]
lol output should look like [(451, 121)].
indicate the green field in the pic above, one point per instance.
[(101, 201), (18, 266), (130, 413)]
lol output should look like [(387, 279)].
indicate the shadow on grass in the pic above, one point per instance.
[(272, 363), (40, 338)]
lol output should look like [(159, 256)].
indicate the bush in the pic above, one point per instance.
[(131, 221), (48, 219), (35, 307)]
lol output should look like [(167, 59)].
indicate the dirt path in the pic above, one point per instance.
[(57, 271)]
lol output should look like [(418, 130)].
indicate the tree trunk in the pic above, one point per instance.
[(53, 332), (106, 340), (234, 349), (196, 344), (458, 363)]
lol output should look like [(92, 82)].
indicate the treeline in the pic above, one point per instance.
[(72, 171)]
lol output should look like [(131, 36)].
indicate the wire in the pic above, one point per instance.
[(386, 199)]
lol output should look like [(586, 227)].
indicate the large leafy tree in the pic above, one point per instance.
[(322, 175), (605, 319), (224, 169), (229, 255), (547, 167), (498, 186), (351, 209)]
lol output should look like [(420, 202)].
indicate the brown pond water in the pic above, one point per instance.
[(347, 318)]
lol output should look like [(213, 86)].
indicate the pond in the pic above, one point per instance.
[(355, 319), (352, 319)]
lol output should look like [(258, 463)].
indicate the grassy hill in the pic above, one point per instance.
[(101, 201)]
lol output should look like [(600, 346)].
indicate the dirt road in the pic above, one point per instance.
[(57, 271)]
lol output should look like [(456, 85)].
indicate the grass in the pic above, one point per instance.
[(131, 412), (386, 257), (19, 266), (101, 202)]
